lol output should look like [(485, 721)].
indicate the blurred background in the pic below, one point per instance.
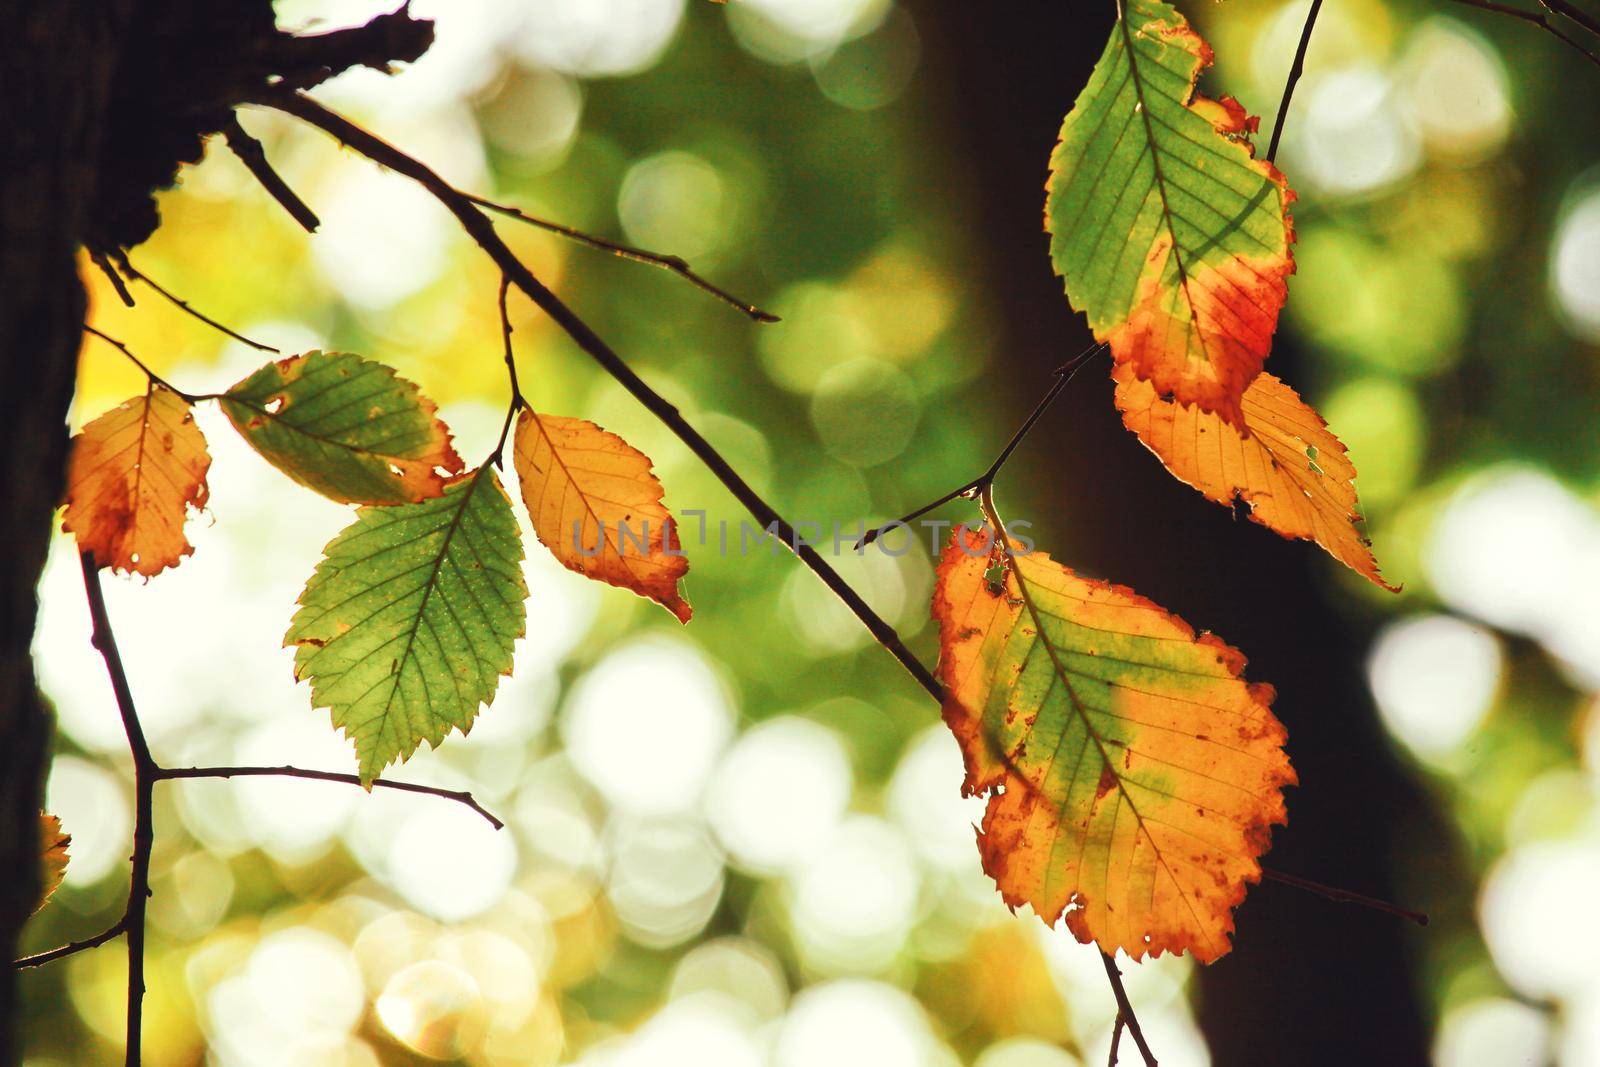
[(741, 842)]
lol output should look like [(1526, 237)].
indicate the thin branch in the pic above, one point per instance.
[(517, 402), (1063, 375), (254, 157), (188, 398), (675, 264), (460, 796), (144, 780), (99, 259), (129, 269), (1116, 1040), (1571, 11), (39, 959), (1125, 1014), (1297, 68), (479, 227), (1534, 18), (1345, 896)]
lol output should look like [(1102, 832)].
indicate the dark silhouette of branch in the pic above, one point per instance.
[(1345, 896), (675, 264), (460, 796), (144, 780), (1536, 18), (971, 490), (1571, 11), (1116, 1040), (479, 227), (133, 273), (254, 157), (99, 259), (39, 959), (517, 402), (188, 398), (1125, 1016), (1297, 68)]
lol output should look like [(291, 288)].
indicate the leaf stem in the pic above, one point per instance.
[(1063, 375), (132, 272), (1296, 69), (675, 264)]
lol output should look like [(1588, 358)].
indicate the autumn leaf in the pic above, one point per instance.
[(52, 857), (1170, 235), (409, 620), (347, 427), (579, 480), (134, 474), (1133, 775), (1289, 467)]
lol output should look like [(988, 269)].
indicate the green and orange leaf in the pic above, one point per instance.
[(1289, 467), (134, 475), (1170, 235), (579, 480), (53, 844), (411, 617), (346, 427), (1133, 775)]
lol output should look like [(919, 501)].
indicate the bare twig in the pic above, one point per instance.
[(1116, 1040), (38, 959), (188, 398), (1063, 375), (1297, 68), (460, 796), (482, 231), (144, 780), (1345, 896), (675, 264), (254, 157), (99, 259), (1125, 1014), (132, 272), (1536, 18)]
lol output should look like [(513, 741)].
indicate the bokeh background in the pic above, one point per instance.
[(741, 842)]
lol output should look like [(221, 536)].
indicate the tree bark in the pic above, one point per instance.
[(56, 61)]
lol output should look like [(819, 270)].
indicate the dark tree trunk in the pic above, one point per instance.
[(1309, 982), (55, 64)]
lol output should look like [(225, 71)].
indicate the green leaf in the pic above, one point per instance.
[(410, 618), (1170, 235), (347, 427)]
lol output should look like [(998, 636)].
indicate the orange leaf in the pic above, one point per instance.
[(52, 857), (1286, 464), (578, 480), (1133, 775), (134, 474)]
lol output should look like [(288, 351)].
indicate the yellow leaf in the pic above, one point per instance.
[(596, 504), (52, 857), (1133, 775), (134, 474), (1286, 464)]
